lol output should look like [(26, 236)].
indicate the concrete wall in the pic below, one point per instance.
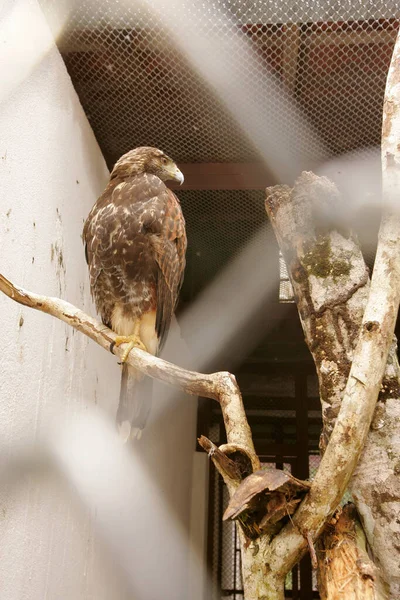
[(199, 526), (51, 171)]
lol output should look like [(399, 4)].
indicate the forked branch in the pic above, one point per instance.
[(293, 216)]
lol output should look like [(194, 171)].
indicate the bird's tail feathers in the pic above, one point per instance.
[(134, 403)]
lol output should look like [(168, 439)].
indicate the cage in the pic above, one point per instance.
[(317, 69), (242, 95)]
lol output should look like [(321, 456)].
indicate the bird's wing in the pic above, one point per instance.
[(169, 245), (115, 239)]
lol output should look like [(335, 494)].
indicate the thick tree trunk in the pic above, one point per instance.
[(331, 285), (330, 282)]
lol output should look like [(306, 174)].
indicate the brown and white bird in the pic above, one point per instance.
[(135, 246)]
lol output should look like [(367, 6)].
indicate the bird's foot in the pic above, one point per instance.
[(133, 341)]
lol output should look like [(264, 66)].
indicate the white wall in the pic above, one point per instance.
[(51, 171)]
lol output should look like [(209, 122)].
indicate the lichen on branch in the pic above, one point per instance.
[(353, 352)]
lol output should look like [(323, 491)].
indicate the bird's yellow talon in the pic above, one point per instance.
[(133, 341)]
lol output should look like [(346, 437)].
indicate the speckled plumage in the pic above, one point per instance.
[(135, 244), (135, 248)]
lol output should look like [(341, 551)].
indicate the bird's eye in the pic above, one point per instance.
[(164, 160)]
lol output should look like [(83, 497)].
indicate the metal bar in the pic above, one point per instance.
[(204, 419), (209, 588), (290, 53), (303, 470), (282, 450), (284, 367), (234, 560), (341, 38), (279, 439), (220, 513), (295, 583)]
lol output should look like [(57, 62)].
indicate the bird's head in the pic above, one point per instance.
[(147, 160)]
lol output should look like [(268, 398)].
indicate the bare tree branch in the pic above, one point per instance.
[(227, 468), (220, 386), (330, 281)]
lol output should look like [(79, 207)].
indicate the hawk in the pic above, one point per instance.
[(135, 246)]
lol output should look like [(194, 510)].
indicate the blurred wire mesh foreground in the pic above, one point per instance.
[(140, 83), (131, 513)]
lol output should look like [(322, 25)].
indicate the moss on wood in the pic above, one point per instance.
[(319, 261)]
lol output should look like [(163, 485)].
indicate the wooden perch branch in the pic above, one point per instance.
[(220, 386)]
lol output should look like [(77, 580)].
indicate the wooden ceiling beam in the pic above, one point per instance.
[(224, 176)]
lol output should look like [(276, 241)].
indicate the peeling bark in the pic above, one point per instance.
[(345, 569)]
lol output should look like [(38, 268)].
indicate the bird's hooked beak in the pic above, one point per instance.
[(176, 175)]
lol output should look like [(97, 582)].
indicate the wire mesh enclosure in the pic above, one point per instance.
[(139, 88), (219, 224), (304, 80)]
